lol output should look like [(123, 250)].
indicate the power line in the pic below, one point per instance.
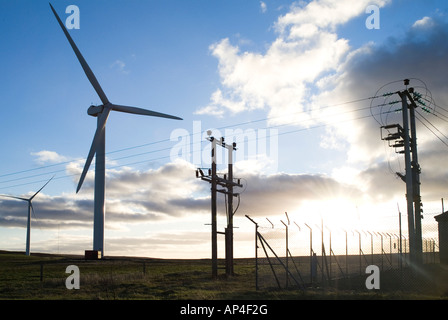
[(436, 112), (167, 157), (432, 125), (75, 175), (432, 131), (223, 127), (318, 119), (39, 168), (219, 128)]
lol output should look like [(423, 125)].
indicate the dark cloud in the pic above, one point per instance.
[(382, 183), (262, 195), (12, 222), (132, 197), (49, 212), (420, 55), (277, 193)]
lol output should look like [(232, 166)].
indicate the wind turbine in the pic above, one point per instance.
[(98, 143), (30, 207)]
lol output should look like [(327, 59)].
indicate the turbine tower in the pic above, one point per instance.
[(98, 143), (30, 207)]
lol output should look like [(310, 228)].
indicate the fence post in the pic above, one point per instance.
[(360, 251), (331, 250), (256, 251), (311, 253), (287, 250)]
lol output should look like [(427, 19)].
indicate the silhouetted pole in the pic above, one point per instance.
[(214, 180), (229, 229), (256, 251), (213, 209), (415, 180), (28, 231), (311, 252), (409, 173), (400, 244), (412, 176), (287, 251), (346, 253), (360, 251)]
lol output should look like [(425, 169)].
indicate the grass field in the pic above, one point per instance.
[(42, 277)]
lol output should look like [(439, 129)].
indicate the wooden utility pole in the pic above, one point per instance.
[(214, 213), (229, 184), (230, 213)]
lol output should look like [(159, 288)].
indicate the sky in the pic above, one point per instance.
[(297, 85)]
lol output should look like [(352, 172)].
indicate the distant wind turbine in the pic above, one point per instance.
[(30, 207), (99, 140)]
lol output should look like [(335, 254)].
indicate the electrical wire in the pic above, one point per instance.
[(432, 131), (436, 112), (168, 140), (431, 124), (219, 128), (318, 119), (424, 100), (377, 96), (163, 157)]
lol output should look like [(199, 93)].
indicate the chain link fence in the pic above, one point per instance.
[(305, 255)]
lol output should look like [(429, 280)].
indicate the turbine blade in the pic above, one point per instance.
[(100, 127), (83, 62), (41, 188), (144, 112), (32, 210), (34, 215), (7, 196)]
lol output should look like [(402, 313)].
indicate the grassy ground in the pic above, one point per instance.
[(42, 277)]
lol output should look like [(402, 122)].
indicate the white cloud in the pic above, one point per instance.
[(277, 80), (281, 79), (45, 157), (120, 66), (322, 15), (219, 104), (425, 22), (263, 6)]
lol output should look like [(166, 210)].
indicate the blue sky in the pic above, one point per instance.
[(216, 64)]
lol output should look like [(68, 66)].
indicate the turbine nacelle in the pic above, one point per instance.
[(95, 110)]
